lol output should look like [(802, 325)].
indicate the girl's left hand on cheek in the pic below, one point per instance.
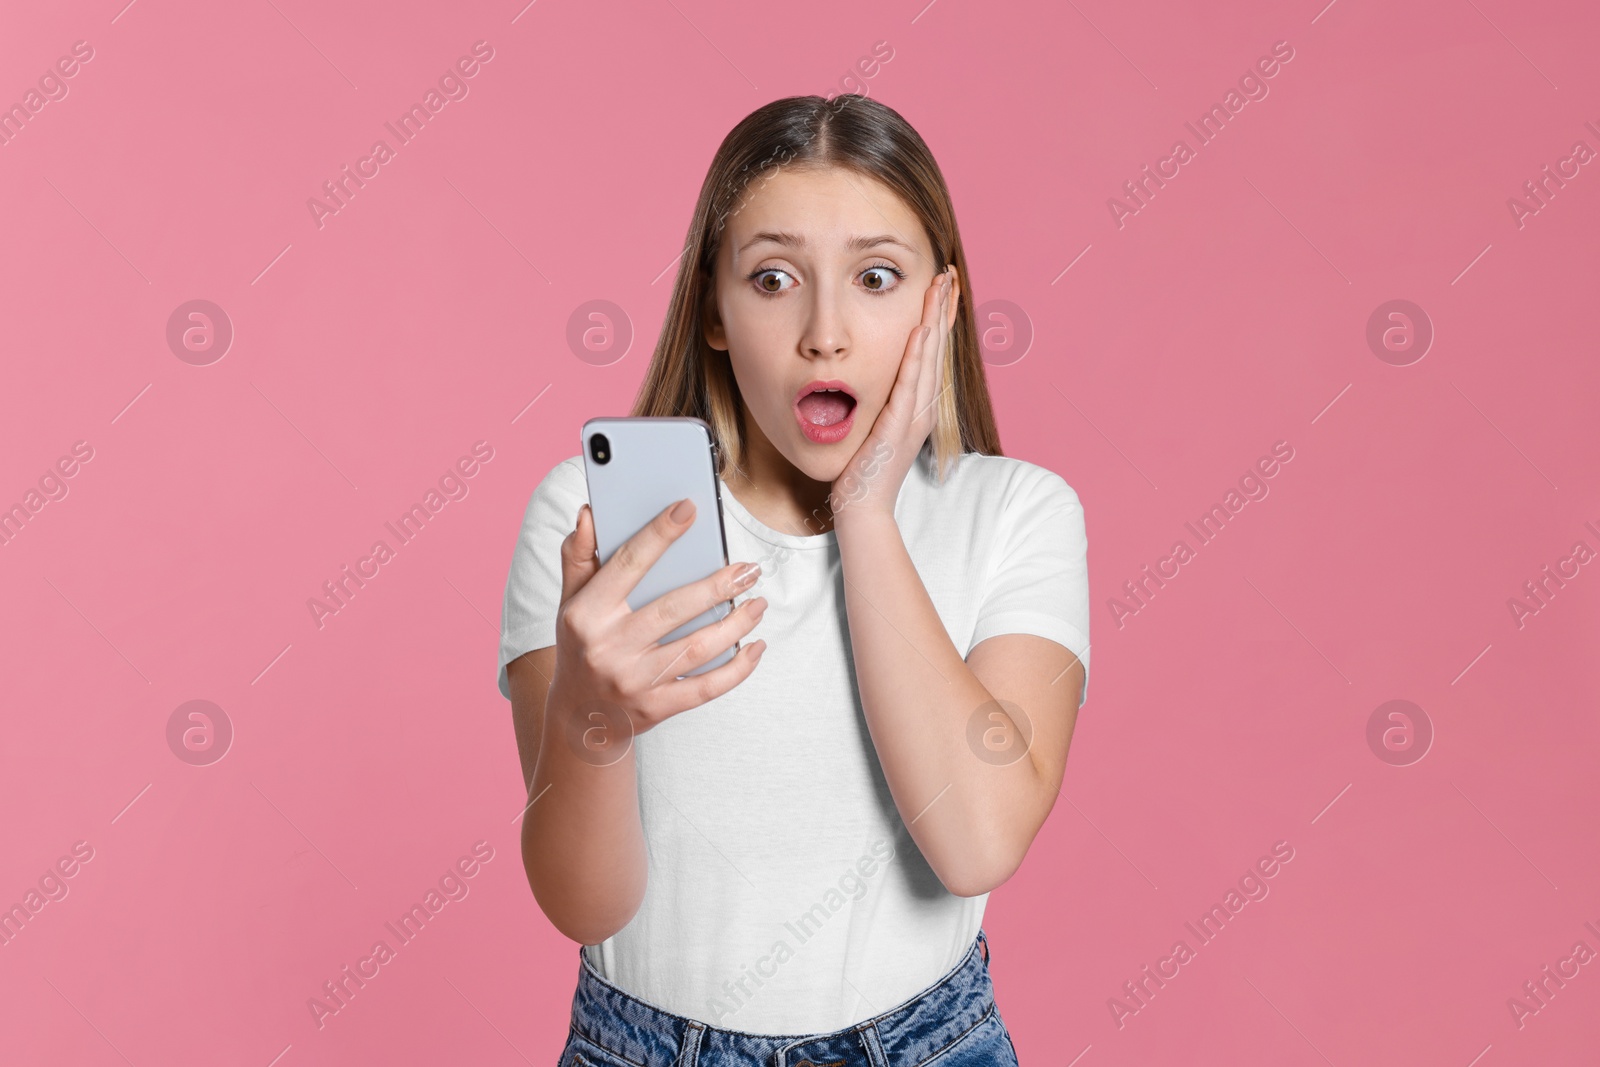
[(871, 481)]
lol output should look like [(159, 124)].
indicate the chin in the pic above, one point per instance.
[(823, 468)]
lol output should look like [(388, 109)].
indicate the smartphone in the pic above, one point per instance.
[(638, 465)]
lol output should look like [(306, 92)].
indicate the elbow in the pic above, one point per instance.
[(581, 928), (981, 870), (582, 919), (582, 911), (975, 887)]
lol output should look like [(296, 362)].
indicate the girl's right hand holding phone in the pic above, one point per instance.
[(582, 840), (608, 652)]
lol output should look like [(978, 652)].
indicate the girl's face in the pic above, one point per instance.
[(820, 276)]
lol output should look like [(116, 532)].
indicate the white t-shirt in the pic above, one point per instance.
[(784, 893)]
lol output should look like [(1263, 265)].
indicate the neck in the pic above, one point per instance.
[(777, 492)]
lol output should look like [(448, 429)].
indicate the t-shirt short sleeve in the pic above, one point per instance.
[(1039, 582), (533, 587)]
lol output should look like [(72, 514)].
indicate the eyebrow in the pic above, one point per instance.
[(854, 244)]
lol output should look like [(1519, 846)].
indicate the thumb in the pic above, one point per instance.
[(578, 559)]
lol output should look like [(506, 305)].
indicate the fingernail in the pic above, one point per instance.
[(680, 514), (758, 606), (760, 647), (748, 575)]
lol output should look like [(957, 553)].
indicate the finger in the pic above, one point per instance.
[(946, 341), (671, 697), (636, 555), (672, 609), (945, 356), (956, 296), (928, 382), (578, 562), (930, 302), (946, 336), (692, 650), (932, 318), (903, 395)]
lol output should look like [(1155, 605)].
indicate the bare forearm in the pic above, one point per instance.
[(967, 815), (582, 842)]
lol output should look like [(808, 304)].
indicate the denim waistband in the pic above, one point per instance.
[(911, 1032)]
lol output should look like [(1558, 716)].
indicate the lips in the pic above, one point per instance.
[(825, 410)]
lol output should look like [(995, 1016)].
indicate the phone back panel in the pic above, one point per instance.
[(653, 462)]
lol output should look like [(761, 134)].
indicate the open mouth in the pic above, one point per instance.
[(825, 410)]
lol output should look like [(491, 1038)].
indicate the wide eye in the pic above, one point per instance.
[(880, 279), (767, 281)]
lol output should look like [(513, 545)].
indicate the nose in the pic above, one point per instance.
[(826, 333)]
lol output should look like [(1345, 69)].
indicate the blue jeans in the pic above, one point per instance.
[(953, 1023)]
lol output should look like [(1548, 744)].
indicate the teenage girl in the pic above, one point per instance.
[(784, 860)]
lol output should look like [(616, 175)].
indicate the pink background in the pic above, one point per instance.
[(369, 354)]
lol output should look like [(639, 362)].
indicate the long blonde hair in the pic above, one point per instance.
[(688, 377)]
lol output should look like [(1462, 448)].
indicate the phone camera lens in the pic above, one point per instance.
[(600, 448)]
